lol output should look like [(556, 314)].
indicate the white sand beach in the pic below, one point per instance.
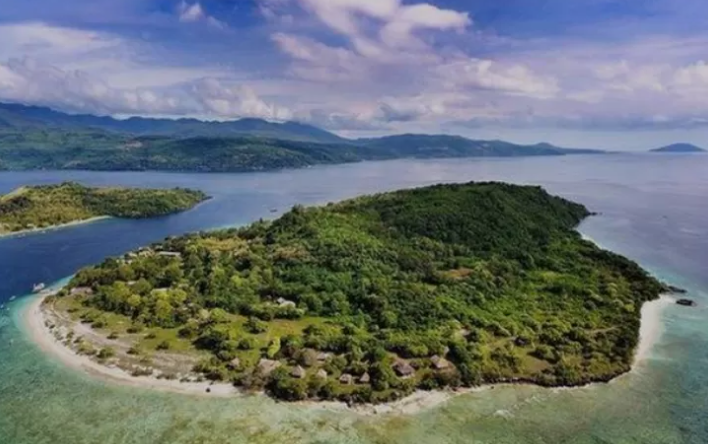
[(650, 333), (54, 227)]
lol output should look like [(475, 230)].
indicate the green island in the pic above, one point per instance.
[(46, 206), (367, 300)]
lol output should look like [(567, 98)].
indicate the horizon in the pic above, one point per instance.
[(601, 74)]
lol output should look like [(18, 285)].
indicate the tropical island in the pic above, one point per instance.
[(367, 300), (48, 206), (679, 148)]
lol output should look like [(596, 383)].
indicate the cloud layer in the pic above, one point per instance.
[(366, 66)]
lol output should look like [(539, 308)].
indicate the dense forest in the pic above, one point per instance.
[(368, 299), (50, 205)]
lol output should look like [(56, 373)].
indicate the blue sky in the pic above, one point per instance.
[(621, 74)]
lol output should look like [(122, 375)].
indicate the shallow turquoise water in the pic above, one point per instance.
[(652, 210)]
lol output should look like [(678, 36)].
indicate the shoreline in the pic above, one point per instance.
[(35, 320), (53, 227)]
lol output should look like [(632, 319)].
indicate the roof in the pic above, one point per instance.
[(403, 368), (298, 372), (440, 363)]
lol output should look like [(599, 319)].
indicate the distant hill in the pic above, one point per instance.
[(22, 117), (40, 138), (679, 148)]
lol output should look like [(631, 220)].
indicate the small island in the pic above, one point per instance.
[(367, 300), (679, 148), (48, 206)]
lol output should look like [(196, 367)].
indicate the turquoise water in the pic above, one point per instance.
[(653, 210)]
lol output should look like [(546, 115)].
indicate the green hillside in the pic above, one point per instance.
[(364, 300)]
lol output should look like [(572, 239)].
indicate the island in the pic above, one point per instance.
[(679, 148), (367, 300), (47, 206)]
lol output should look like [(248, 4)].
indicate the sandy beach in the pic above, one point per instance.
[(54, 227), (35, 320)]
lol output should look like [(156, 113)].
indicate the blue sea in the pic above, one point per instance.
[(652, 208)]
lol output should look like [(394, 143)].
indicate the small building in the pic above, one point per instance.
[(235, 363), (298, 372), (321, 373), (84, 291), (346, 379), (322, 356), (173, 254), (266, 366), (440, 363), (403, 369), (282, 302), (365, 378)]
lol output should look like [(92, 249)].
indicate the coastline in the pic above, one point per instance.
[(36, 324), (53, 227)]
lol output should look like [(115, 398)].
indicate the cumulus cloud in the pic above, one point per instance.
[(191, 13), (29, 81)]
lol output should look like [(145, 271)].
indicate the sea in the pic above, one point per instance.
[(651, 208)]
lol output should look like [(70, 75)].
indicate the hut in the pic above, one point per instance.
[(321, 373), (365, 378), (440, 363), (403, 369), (346, 379), (235, 363), (266, 366), (298, 372)]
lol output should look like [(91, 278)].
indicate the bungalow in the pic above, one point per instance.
[(266, 366), (403, 369), (87, 291), (440, 363), (321, 373), (365, 378), (346, 379), (298, 372), (170, 254)]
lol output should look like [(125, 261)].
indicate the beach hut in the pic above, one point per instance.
[(365, 378), (403, 369), (346, 379), (440, 363), (321, 373), (298, 372), (266, 366)]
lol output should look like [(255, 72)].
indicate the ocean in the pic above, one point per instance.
[(652, 208)]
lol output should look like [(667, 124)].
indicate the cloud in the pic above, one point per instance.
[(194, 13), (32, 82)]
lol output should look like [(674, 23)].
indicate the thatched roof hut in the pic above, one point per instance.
[(346, 378), (298, 372), (266, 366), (440, 363), (235, 363), (321, 373), (403, 369), (365, 378)]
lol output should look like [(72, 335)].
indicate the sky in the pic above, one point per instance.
[(613, 74)]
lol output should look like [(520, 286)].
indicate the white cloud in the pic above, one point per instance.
[(192, 13), (398, 31)]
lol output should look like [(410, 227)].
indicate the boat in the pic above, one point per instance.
[(38, 287), (12, 298)]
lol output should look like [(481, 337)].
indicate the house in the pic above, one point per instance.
[(235, 363), (173, 254), (365, 378), (266, 366), (298, 372), (87, 291), (322, 357), (346, 379), (282, 302), (321, 373), (403, 369), (440, 363)]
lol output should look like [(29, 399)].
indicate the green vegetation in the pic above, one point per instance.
[(39, 138), (365, 300), (51, 205)]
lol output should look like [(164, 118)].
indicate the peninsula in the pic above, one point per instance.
[(367, 300), (47, 206)]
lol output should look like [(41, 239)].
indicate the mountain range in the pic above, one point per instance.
[(33, 137)]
